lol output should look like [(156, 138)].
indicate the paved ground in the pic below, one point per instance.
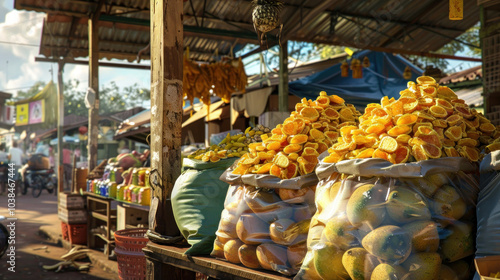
[(33, 213)]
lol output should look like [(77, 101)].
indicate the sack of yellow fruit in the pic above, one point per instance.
[(488, 208), (378, 220), (259, 229), (271, 199)]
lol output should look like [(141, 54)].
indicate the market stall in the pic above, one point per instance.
[(167, 79)]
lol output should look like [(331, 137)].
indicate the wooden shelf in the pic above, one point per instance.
[(219, 269), (104, 238), (99, 209), (102, 217)]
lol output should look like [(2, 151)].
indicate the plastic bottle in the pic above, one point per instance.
[(127, 194), (134, 196), (120, 189), (145, 192), (112, 184)]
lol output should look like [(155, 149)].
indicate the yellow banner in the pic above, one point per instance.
[(22, 114)]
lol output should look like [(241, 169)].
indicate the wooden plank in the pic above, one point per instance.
[(60, 124), (94, 84), (219, 269), (166, 110), (283, 74)]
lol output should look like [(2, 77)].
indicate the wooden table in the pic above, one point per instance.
[(169, 262)]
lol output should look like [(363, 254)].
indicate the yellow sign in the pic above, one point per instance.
[(22, 114)]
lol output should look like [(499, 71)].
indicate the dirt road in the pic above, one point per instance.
[(32, 250)]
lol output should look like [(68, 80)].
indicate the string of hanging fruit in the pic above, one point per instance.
[(220, 79)]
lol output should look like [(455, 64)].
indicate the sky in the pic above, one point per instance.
[(20, 33)]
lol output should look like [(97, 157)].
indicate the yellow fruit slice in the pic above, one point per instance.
[(274, 145), (453, 133), (403, 138), (426, 80), (399, 130), (281, 160), (469, 142), (299, 139), (431, 150), (290, 171), (407, 119), (316, 134), (309, 114), (265, 168), (487, 128), (388, 144), (402, 154), (451, 152), (375, 128), (418, 153), (438, 111), (471, 154), (493, 147), (366, 153), (309, 152), (336, 99)]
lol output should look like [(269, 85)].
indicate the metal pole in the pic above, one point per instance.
[(283, 87)]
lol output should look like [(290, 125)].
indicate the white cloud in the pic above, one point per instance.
[(18, 69)]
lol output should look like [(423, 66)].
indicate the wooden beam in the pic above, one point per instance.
[(283, 72), (166, 111), (291, 29), (60, 124), (101, 64), (398, 51), (94, 84)]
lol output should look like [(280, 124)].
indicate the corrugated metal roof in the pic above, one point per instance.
[(409, 25), (465, 75)]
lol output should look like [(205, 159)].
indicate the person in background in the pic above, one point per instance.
[(67, 167), (3, 169), (16, 158)]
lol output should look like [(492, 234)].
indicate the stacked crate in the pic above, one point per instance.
[(494, 115), (73, 216)]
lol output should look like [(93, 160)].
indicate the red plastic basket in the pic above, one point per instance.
[(64, 231), (131, 265), (75, 234), (131, 259), (131, 240)]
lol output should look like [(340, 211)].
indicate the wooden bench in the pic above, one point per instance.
[(169, 262)]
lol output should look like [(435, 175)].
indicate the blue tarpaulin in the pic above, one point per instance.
[(383, 77)]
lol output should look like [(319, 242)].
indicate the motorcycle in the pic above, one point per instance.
[(39, 180)]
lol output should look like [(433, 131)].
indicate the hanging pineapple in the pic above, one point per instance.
[(266, 16)]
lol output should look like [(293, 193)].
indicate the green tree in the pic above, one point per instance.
[(471, 37), (111, 97), (34, 89)]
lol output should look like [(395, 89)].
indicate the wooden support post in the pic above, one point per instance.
[(283, 86), (482, 20), (60, 124), (166, 113), (94, 84)]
